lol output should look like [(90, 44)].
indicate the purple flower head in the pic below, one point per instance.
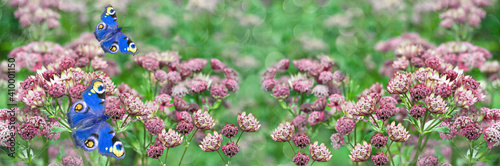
[(282, 65), (230, 149), (174, 77), (192, 107), (281, 91), (378, 140), (338, 76), (229, 130), (76, 91), (386, 111), (417, 62), (182, 116), (420, 91), (319, 153), (491, 115), (218, 91), (72, 160), (471, 131), (345, 125), (217, 65), (197, 85), (268, 84), (397, 133), (442, 90), (65, 63), (337, 140), (320, 91), (401, 63), (57, 89), (301, 140), (211, 142), (427, 161), (184, 127), (300, 120), (325, 77), (170, 139), (203, 120), (231, 84), (163, 100), (35, 97), (492, 136), (436, 104), (160, 75), (231, 74), (319, 104), (248, 123), (306, 108), (195, 65), (380, 159), (302, 86), (399, 83), (179, 90), (464, 98), (154, 125), (366, 105), (417, 111), (301, 159), (316, 117), (28, 131), (283, 132), (336, 101), (180, 104), (155, 151), (409, 50), (361, 152)]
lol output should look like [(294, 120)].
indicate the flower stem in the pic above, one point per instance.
[(144, 146), (29, 152), (185, 149), (389, 151), (291, 146), (471, 152), (125, 121), (419, 149), (312, 162), (239, 137), (221, 157), (166, 155)]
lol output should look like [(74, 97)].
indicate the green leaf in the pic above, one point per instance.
[(396, 160), (283, 104), (57, 129), (443, 129), (427, 126), (216, 104)]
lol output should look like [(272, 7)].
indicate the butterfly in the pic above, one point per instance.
[(90, 129), (110, 36)]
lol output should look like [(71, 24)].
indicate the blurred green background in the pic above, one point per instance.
[(250, 36)]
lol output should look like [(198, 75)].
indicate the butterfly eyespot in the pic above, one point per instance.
[(99, 87), (113, 48), (91, 143), (117, 149), (80, 107), (132, 48), (101, 26), (110, 10)]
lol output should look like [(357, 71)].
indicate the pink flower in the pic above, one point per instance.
[(301, 140), (195, 65), (180, 104), (319, 104), (436, 104), (281, 91), (211, 142), (218, 91), (337, 140), (230, 149), (361, 152), (163, 100), (417, 111), (170, 139), (338, 76), (320, 91), (345, 125), (420, 91), (401, 63), (464, 98), (282, 65), (133, 104), (380, 159), (385, 111), (399, 83), (492, 136), (217, 65), (378, 140), (231, 84), (156, 151), (203, 120), (184, 127), (248, 123), (366, 105), (471, 131), (397, 133), (409, 50), (283, 132), (300, 159), (198, 86), (72, 160), (229, 131), (174, 77), (316, 117), (57, 89), (428, 160), (325, 77), (160, 75), (154, 125), (319, 153), (268, 84), (336, 101), (179, 90), (300, 120), (98, 63), (442, 90), (28, 131), (35, 97)]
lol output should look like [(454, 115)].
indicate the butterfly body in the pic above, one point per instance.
[(91, 131), (110, 36)]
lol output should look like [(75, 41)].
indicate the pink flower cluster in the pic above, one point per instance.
[(38, 11), (462, 11)]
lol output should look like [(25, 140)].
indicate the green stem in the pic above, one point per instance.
[(291, 146), (124, 121), (471, 152), (419, 149), (166, 155), (29, 152), (239, 137), (229, 162), (185, 149), (312, 163), (144, 146), (389, 151), (221, 157)]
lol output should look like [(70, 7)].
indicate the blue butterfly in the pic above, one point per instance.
[(110, 36), (90, 129)]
